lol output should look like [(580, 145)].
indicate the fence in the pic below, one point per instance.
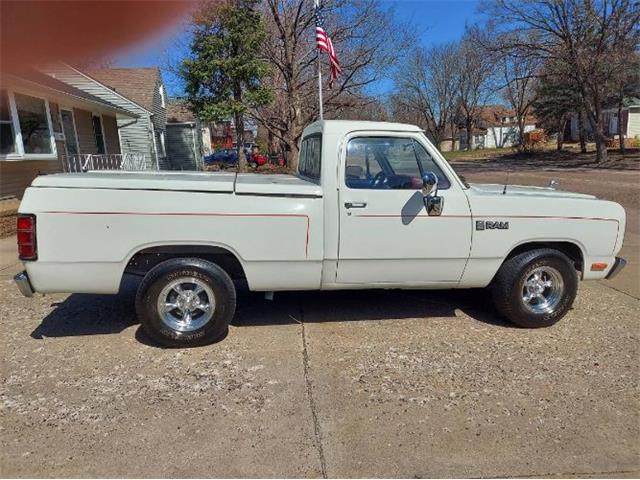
[(114, 161)]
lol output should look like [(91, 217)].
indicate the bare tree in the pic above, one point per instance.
[(368, 43), (518, 76), (583, 34), (428, 85), (626, 84), (475, 71)]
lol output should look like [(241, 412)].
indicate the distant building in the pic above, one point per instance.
[(223, 134), (188, 138), (496, 127), (630, 121)]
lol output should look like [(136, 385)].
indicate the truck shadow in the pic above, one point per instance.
[(363, 305), (90, 314), (85, 314)]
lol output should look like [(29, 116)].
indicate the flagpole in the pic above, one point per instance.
[(316, 6), (320, 86)]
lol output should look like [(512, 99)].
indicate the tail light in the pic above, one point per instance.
[(27, 248)]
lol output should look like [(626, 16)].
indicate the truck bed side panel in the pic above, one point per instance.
[(87, 236)]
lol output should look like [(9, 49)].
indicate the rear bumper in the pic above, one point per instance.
[(24, 285), (618, 265)]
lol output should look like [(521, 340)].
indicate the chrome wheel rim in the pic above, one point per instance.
[(186, 304), (542, 290)]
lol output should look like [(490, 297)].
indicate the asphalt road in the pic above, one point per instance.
[(336, 384)]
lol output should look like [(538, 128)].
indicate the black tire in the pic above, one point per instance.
[(211, 279), (508, 287)]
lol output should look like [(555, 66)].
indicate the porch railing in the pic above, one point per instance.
[(114, 161)]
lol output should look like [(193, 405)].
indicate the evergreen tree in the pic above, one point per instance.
[(557, 97), (224, 73)]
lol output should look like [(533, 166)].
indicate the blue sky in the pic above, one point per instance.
[(436, 21)]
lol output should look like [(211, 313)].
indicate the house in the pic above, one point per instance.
[(223, 134), (140, 91), (48, 126), (496, 127), (450, 141), (630, 121), (188, 139)]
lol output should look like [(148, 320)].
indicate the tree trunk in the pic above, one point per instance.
[(581, 133), (469, 134), (562, 124), (600, 137), (521, 131), (242, 159), (620, 129), (290, 150)]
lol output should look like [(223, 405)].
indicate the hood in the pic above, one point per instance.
[(520, 190)]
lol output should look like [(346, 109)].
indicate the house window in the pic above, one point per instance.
[(34, 124), (161, 91), (25, 127), (98, 134), (163, 148), (7, 135)]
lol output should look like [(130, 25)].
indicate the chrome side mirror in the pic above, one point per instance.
[(432, 202), (429, 184)]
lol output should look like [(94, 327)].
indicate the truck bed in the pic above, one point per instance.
[(218, 182)]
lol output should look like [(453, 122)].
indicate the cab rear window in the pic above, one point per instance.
[(310, 157)]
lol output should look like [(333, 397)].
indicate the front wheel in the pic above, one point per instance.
[(535, 288), (186, 302)]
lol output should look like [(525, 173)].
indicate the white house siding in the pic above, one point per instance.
[(499, 137), (633, 127), (611, 124), (136, 135)]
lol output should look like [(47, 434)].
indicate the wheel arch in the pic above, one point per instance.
[(571, 249), (144, 258)]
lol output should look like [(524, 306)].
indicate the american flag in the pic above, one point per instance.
[(324, 43)]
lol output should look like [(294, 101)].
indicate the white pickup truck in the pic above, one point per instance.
[(374, 205)]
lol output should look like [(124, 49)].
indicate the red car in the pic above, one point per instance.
[(256, 160)]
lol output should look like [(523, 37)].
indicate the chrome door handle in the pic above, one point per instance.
[(355, 204)]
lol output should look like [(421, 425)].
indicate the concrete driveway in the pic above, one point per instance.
[(342, 384), (409, 384)]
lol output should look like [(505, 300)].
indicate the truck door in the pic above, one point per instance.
[(386, 236)]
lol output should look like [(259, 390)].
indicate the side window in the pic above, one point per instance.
[(388, 163), (429, 165), (310, 157)]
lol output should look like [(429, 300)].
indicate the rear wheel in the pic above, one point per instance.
[(535, 288), (186, 302)]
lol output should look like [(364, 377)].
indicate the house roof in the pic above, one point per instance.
[(631, 102), (497, 115), (137, 84), (179, 112), (42, 81)]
